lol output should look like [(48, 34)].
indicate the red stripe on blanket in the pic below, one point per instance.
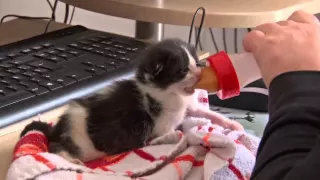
[(178, 168), (144, 155), (235, 170), (45, 161), (106, 161), (79, 176), (189, 158), (206, 138), (107, 169)]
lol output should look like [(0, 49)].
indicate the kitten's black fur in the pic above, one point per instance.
[(120, 121)]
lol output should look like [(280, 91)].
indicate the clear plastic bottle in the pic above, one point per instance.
[(226, 74)]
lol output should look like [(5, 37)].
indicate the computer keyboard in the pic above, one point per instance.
[(46, 71)]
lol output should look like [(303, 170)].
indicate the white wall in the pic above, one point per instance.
[(112, 24)]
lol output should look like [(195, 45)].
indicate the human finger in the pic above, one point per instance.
[(303, 17), (252, 40), (268, 28)]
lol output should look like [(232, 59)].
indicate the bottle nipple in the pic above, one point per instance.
[(208, 80)]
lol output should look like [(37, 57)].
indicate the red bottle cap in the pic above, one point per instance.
[(226, 75)]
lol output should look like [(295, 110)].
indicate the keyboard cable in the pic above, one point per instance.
[(197, 34)]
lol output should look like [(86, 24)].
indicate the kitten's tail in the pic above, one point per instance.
[(42, 127)]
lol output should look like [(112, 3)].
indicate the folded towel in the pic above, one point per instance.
[(202, 150)]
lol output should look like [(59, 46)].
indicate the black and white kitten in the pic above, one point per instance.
[(126, 114)]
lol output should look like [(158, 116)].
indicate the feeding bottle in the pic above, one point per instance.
[(226, 73)]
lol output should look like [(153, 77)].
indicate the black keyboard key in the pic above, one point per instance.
[(45, 64), (121, 52), (79, 75), (19, 77), (13, 55), (53, 52), (28, 84), (4, 91), (50, 85), (107, 42), (126, 59), (37, 48), (7, 80), (4, 81), (41, 70), (75, 45), (47, 45), (14, 71), (106, 67), (107, 49), (88, 63), (41, 55), (65, 56), (94, 39), (2, 58), (134, 49), (62, 49), (111, 55), (96, 45), (103, 37), (37, 79), (55, 59), (38, 90), (16, 87), (95, 70), (6, 65), (87, 48), (22, 60), (15, 97), (49, 65), (99, 52), (118, 46), (3, 74), (84, 42), (30, 73), (75, 52), (65, 81), (24, 67), (27, 51)]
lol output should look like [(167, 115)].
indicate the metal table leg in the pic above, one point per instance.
[(149, 31)]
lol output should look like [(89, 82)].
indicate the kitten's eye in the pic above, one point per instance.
[(184, 71)]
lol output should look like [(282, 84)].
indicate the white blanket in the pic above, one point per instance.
[(201, 151)]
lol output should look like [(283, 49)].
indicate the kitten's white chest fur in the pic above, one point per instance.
[(174, 107)]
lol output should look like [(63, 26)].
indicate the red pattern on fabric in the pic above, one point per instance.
[(36, 140), (179, 170), (189, 158), (79, 176), (106, 161), (144, 155), (206, 138), (203, 100), (107, 169), (235, 170), (199, 128), (44, 161), (129, 173)]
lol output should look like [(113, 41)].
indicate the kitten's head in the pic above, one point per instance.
[(170, 65)]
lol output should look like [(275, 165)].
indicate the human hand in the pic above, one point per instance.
[(291, 45)]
